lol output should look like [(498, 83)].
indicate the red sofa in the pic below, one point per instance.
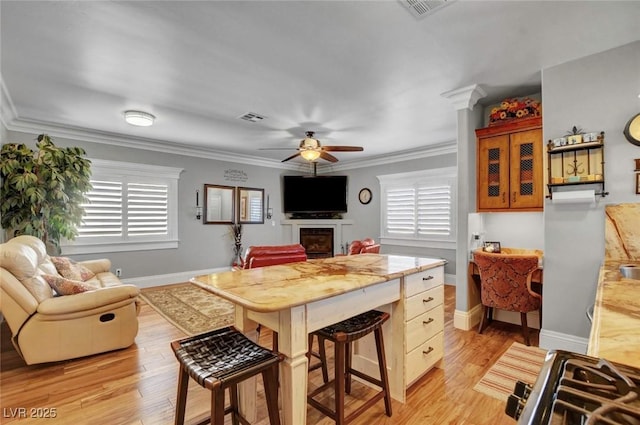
[(268, 255)]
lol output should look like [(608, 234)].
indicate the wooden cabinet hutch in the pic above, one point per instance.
[(509, 166)]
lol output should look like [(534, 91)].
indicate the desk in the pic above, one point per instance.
[(298, 298)]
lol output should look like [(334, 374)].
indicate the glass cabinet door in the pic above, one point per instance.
[(526, 189), (493, 173)]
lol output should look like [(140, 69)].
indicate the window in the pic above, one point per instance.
[(418, 208), (131, 207)]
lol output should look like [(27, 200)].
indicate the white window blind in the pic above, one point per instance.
[(103, 213), (434, 210), (131, 207), (419, 206)]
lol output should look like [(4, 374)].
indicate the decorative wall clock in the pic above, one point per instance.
[(364, 196), (632, 130)]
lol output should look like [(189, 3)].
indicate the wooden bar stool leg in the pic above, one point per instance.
[(269, 378), (217, 406), (382, 363), (233, 402), (340, 350), (181, 402), (323, 358), (347, 368)]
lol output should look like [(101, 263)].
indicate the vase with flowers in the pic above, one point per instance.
[(513, 109), (236, 235)]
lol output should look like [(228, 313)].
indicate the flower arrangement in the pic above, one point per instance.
[(512, 108), (235, 230)]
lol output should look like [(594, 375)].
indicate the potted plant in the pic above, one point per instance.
[(43, 191)]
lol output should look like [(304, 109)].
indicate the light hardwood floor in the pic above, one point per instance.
[(138, 385)]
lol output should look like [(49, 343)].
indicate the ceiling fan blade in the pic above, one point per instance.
[(328, 157), (343, 148), (276, 149), (291, 157)]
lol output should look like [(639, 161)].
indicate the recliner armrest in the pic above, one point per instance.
[(97, 266), (86, 301)]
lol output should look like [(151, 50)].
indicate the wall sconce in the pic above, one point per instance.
[(269, 212), (198, 207)]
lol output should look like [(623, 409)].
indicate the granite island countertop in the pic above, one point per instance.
[(275, 288), (615, 331)]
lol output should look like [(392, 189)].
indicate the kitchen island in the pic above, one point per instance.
[(298, 298), (615, 331)]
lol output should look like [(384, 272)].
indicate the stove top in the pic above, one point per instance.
[(573, 389)]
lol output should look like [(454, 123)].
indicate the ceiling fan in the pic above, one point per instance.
[(311, 149)]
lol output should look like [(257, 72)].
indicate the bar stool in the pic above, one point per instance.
[(221, 359), (342, 334)]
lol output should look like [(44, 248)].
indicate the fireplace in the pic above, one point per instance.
[(318, 242)]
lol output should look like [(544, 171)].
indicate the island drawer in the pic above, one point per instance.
[(423, 358), (423, 302), (425, 326), (422, 281)]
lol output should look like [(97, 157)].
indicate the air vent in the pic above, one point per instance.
[(252, 117), (420, 8)]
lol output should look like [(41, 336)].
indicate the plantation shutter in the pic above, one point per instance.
[(401, 211), (434, 210), (103, 215), (147, 209)]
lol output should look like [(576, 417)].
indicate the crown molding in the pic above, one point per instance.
[(465, 97), (13, 123), (8, 111), (434, 150)]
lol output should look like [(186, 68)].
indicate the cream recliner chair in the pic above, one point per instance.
[(48, 328)]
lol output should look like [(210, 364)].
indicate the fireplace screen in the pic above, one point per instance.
[(318, 242)]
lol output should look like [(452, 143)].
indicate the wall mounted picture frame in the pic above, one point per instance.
[(637, 183), (492, 247)]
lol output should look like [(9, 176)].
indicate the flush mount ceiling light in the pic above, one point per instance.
[(139, 118)]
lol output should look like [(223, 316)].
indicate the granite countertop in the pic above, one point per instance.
[(615, 331), (275, 288)]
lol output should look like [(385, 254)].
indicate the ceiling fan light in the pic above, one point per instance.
[(139, 118), (310, 154)]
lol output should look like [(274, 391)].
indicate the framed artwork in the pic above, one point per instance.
[(637, 183), (493, 247)]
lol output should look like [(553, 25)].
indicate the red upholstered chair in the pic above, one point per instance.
[(506, 284), (363, 246), (354, 248), (269, 255), (370, 249)]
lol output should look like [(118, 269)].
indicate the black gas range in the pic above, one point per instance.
[(575, 389)]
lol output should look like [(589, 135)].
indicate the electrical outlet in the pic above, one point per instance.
[(118, 272)]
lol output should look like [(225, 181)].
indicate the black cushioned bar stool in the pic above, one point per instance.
[(221, 359), (342, 334)]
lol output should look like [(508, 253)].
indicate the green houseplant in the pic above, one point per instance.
[(43, 191)]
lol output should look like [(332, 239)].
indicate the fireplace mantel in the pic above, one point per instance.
[(341, 230)]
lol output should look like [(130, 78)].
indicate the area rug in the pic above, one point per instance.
[(189, 307), (518, 363)]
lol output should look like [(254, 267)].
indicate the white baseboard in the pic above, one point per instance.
[(467, 320), (449, 279), (165, 279), (550, 340)]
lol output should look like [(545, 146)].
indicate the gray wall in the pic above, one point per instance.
[(209, 246), (367, 217), (595, 93)]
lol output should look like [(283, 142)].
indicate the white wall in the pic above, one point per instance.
[(595, 93)]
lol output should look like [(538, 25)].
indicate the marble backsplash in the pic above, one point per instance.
[(622, 231)]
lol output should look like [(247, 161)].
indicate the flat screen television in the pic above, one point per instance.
[(315, 194)]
